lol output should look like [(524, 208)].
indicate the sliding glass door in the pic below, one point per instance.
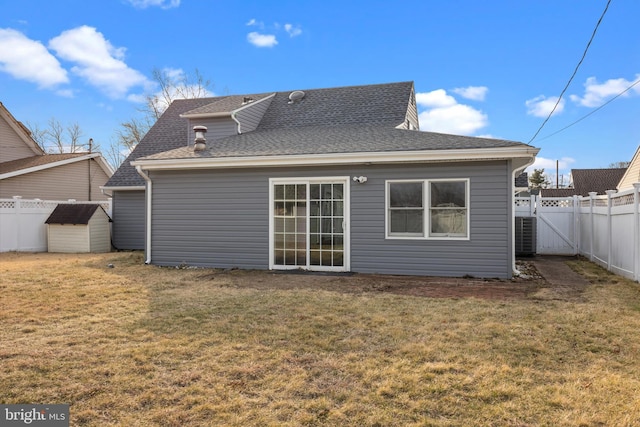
[(308, 224)]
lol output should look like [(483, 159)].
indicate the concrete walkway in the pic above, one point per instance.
[(564, 282)]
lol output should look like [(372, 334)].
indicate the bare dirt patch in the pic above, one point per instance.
[(523, 286)]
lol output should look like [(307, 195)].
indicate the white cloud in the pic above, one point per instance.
[(549, 165), (292, 31), (98, 61), (262, 40), (596, 94), (474, 93), (541, 106), (163, 4), (27, 59), (436, 98), (444, 114)]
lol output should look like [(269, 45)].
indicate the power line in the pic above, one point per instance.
[(584, 54), (591, 112)]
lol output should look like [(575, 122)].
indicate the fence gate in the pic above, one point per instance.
[(557, 226)]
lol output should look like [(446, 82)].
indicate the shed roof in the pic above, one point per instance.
[(76, 214)]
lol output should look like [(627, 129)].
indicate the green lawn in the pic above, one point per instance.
[(139, 345)]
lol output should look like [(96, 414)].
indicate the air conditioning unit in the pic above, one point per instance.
[(525, 236)]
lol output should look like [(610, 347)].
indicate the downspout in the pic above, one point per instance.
[(514, 173), (235, 119), (148, 192)]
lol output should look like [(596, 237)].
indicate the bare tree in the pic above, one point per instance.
[(171, 84), (57, 138), (616, 165)]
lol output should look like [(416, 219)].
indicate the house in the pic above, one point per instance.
[(585, 181), (78, 228), (631, 174), (27, 171), (336, 179)]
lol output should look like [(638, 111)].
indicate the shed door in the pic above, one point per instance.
[(308, 223)]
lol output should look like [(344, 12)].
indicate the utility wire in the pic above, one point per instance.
[(591, 112), (584, 54)]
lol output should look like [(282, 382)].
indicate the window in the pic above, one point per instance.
[(428, 209), (406, 209)]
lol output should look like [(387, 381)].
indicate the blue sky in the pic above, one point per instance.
[(490, 68)]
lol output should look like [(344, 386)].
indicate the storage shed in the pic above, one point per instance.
[(76, 228)]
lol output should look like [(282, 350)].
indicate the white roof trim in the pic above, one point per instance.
[(225, 113), (123, 188), (423, 156), (104, 165)]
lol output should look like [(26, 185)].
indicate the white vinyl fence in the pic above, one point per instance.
[(22, 226), (605, 229)]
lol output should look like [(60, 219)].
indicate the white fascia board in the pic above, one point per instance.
[(49, 165), (425, 156), (123, 188), (206, 115)]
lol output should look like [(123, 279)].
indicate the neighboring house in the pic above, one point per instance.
[(585, 181), (26, 171), (334, 179), (632, 174)]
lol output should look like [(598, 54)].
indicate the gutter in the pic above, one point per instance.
[(516, 172), (147, 232), (383, 157)]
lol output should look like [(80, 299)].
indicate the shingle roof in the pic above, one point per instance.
[(327, 140), (598, 180), (588, 180), (34, 161), (382, 104), (225, 104), (72, 213)]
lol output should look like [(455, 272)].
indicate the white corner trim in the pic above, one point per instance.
[(422, 156), (55, 164)]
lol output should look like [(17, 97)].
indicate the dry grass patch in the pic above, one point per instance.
[(141, 345)]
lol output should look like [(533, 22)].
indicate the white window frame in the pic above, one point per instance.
[(426, 208)]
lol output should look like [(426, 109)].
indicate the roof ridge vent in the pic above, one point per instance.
[(296, 96)]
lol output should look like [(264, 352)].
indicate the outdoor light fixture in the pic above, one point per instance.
[(360, 179)]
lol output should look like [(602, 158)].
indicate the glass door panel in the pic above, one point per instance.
[(308, 225)]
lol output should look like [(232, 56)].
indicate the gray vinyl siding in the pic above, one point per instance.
[(220, 219), (128, 227), (69, 181), (217, 128), (250, 116)]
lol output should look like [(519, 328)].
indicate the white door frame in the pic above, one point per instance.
[(345, 180)]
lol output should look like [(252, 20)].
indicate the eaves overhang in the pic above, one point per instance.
[(122, 188), (207, 115), (97, 156), (386, 157)]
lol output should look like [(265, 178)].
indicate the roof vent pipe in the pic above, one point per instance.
[(200, 141)]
